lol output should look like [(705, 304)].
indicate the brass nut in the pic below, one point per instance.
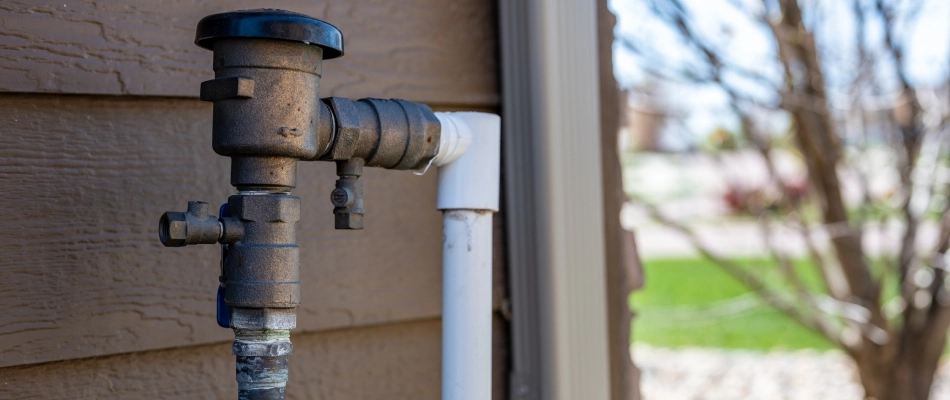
[(173, 229)]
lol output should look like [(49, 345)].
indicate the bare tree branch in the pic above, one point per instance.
[(819, 143), (911, 134)]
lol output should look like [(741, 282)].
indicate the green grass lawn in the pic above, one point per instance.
[(691, 302)]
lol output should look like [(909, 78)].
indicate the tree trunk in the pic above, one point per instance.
[(901, 380), (905, 368)]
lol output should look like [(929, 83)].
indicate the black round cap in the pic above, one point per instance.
[(270, 24)]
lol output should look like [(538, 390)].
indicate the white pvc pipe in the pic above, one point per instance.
[(466, 305), (469, 161)]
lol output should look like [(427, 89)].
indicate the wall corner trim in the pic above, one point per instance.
[(554, 199)]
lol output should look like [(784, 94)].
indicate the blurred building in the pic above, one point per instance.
[(642, 123)]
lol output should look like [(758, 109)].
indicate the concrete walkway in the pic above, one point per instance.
[(743, 238)]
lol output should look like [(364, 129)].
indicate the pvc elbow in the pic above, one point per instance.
[(454, 139), (469, 157)]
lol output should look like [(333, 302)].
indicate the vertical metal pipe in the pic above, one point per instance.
[(262, 363)]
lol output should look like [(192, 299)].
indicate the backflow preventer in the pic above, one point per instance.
[(267, 117)]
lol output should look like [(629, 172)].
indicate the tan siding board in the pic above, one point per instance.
[(429, 51), (391, 362), (84, 180), (398, 361)]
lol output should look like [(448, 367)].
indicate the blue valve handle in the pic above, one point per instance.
[(223, 311)]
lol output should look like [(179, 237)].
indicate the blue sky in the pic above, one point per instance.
[(748, 45)]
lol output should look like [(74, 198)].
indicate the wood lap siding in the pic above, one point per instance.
[(101, 131), (386, 362), (85, 180), (391, 362), (432, 51)]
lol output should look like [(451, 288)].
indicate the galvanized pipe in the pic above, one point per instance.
[(262, 362)]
